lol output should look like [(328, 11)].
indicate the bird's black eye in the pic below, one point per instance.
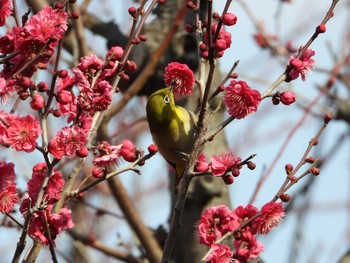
[(166, 99)]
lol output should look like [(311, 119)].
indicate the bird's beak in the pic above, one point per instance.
[(171, 88)]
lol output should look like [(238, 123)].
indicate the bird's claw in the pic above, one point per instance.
[(184, 156)]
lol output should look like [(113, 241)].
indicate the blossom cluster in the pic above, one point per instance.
[(217, 222), (8, 192), (111, 154), (76, 95), (30, 47), (221, 39), (44, 220), (227, 166)]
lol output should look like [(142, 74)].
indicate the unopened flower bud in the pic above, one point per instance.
[(327, 118), (220, 54), (62, 73), (96, 172), (136, 41), (205, 54), (229, 19), (285, 198), (202, 47), (37, 102), (23, 95), (128, 151), (42, 86), (25, 81), (310, 159), (64, 97), (228, 179), (189, 28), (143, 37), (59, 5), (221, 88), (190, 5), (321, 29), (124, 77), (251, 165), (152, 149), (288, 168), (56, 112), (293, 179), (275, 100), (234, 75), (220, 45), (235, 172), (315, 171), (75, 14), (216, 16), (132, 11), (130, 65), (287, 98), (82, 153)]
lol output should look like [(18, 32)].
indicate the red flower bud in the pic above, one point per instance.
[(202, 47), (251, 165), (96, 172), (288, 168), (216, 16), (321, 29), (37, 102), (189, 28), (228, 179), (25, 81), (82, 153), (287, 97), (235, 172), (62, 73), (132, 11), (75, 14), (220, 45), (315, 171), (310, 159), (275, 100), (205, 54), (327, 118), (190, 5), (56, 113), (285, 197), (128, 151), (64, 97), (152, 149), (229, 19), (130, 65), (42, 86), (143, 37)]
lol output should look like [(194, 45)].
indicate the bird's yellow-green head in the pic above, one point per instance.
[(160, 109)]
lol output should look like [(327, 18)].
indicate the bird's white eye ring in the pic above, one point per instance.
[(166, 99)]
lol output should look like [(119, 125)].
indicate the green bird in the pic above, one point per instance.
[(172, 129)]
